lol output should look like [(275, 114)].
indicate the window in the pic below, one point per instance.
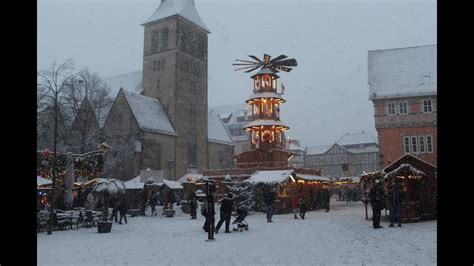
[(391, 109), (191, 150), (403, 108), (429, 144), (164, 38), (406, 144), (427, 106), (154, 65), (345, 167), (421, 141), (414, 146), (155, 41)]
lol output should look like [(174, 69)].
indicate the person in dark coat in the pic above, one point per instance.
[(318, 200), (395, 197), (268, 198), (192, 205), (171, 199), (303, 207), (123, 208), (208, 214), (226, 213), (377, 200), (325, 197)]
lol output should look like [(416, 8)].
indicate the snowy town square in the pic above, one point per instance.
[(269, 132), (341, 236)]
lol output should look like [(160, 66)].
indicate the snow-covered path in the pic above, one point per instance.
[(341, 236)]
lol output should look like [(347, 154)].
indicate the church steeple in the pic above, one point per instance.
[(184, 8)]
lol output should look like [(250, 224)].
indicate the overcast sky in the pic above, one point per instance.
[(327, 93)]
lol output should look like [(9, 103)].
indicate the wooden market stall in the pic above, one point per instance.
[(288, 184), (418, 179)]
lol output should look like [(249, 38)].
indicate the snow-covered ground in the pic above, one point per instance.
[(341, 236)]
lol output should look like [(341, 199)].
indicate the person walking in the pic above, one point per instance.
[(377, 200), (226, 212), (193, 205), (326, 197), (303, 207), (395, 197), (268, 198), (123, 208)]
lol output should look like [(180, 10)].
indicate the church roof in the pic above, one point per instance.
[(403, 72), (356, 138), (184, 8), (320, 149), (216, 131), (149, 113)]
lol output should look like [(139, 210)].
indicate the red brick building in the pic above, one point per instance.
[(403, 89)]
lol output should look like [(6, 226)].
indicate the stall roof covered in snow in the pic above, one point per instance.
[(135, 183), (313, 177), (273, 176), (190, 178), (216, 131), (402, 72), (184, 8), (320, 149), (149, 113), (294, 147), (42, 181), (172, 184), (356, 138)]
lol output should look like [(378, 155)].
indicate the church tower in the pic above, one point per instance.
[(175, 72)]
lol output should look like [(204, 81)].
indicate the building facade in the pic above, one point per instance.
[(403, 89), (351, 155)]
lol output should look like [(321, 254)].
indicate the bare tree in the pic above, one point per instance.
[(51, 84), (88, 100)]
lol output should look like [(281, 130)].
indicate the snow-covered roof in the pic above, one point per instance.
[(216, 131), (225, 110), (402, 72), (320, 149), (134, 183), (354, 179), (294, 147), (172, 184), (259, 95), (356, 138), (225, 115), (367, 149), (189, 178), (102, 113), (149, 113), (313, 177), (184, 8), (405, 168), (42, 181), (263, 122), (273, 176), (131, 81), (240, 138)]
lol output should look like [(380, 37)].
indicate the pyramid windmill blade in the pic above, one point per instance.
[(287, 62), (256, 58), (246, 61), (243, 64), (250, 70), (247, 67), (280, 57), (282, 68)]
